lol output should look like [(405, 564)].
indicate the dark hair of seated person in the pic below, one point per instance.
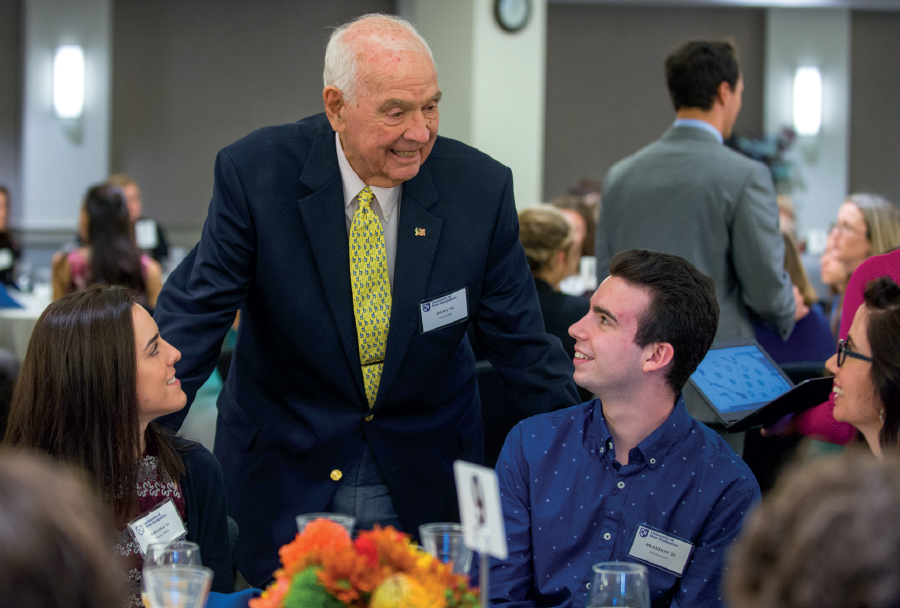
[(827, 536), (115, 259), (683, 310), (55, 542), (76, 395), (882, 299)]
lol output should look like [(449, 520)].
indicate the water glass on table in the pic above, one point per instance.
[(168, 555), (347, 521), (619, 584), (446, 542), (180, 553), (176, 586)]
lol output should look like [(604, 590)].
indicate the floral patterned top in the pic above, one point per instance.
[(153, 487)]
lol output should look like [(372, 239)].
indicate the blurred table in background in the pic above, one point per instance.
[(16, 324)]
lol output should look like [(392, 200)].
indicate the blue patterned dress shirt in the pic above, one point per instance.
[(567, 504)]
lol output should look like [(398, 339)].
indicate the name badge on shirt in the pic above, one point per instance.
[(655, 547), (145, 234), (444, 310), (6, 259), (161, 524)]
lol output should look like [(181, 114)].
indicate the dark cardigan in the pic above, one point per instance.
[(205, 513)]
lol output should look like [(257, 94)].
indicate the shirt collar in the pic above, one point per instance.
[(655, 447), (699, 124), (387, 197)]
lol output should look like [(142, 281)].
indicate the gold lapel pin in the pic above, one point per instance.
[(420, 232)]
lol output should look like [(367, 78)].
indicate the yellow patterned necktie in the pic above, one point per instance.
[(371, 291)]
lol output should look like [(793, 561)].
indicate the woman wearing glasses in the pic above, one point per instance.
[(867, 225), (818, 422), (866, 369)]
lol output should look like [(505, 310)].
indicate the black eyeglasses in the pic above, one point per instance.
[(844, 351)]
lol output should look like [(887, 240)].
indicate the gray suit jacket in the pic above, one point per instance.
[(689, 195)]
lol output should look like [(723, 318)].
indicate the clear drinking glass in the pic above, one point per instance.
[(446, 542), (348, 521), (619, 584), (178, 553), (177, 586)]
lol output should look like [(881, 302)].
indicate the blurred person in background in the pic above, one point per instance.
[(10, 252), (149, 235), (787, 224), (55, 538), (867, 225), (835, 276), (787, 217), (811, 340), (553, 252), (109, 255), (582, 211), (687, 194), (826, 537)]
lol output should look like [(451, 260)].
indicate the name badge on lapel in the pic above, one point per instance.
[(445, 310), (161, 524), (655, 547)]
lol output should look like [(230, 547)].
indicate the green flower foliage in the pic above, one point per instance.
[(306, 591)]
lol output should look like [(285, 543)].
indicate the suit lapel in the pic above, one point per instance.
[(322, 210), (412, 267)]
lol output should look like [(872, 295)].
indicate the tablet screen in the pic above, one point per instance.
[(738, 378)]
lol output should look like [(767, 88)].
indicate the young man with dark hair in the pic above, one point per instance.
[(629, 476), (696, 71), (689, 195)]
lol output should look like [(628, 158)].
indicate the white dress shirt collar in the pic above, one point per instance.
[(386, 197), (697, 124)]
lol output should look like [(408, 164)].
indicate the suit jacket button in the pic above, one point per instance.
[(369, 417), (336, 475)]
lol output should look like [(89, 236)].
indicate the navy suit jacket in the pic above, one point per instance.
[(293, 411)]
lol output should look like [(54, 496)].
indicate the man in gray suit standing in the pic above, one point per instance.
[(688, 195)]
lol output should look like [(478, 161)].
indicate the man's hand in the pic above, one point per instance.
[(802, 308)]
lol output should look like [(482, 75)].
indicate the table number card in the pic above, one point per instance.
[(479, 508)]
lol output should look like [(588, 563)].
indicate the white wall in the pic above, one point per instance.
[(493, 83), (60, 160), (821, 38)]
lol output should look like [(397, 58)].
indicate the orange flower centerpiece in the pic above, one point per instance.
[(382, 568)]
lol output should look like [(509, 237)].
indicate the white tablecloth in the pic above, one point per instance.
[(16, 324)]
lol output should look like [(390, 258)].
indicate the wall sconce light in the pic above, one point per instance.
[(68, 81), (807, 101)]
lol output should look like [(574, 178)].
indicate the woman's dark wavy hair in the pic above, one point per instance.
[(76, 395), (882, 298), (115, 259)]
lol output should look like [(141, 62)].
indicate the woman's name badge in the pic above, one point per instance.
[(6, 259), (161, 524), (659, 549), (446, 310), (145, 234)]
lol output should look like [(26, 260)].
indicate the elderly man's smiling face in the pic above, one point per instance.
[(388, 130)]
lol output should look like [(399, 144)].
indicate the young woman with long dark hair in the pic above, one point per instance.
[(95, 376), (109, 256)]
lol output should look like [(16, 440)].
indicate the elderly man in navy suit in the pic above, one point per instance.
[(358, 245)]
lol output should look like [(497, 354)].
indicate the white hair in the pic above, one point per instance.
[(342, 56)]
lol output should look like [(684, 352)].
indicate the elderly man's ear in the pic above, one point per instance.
[(334, 106)]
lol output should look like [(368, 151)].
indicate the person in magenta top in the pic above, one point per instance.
[(819, 422)]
